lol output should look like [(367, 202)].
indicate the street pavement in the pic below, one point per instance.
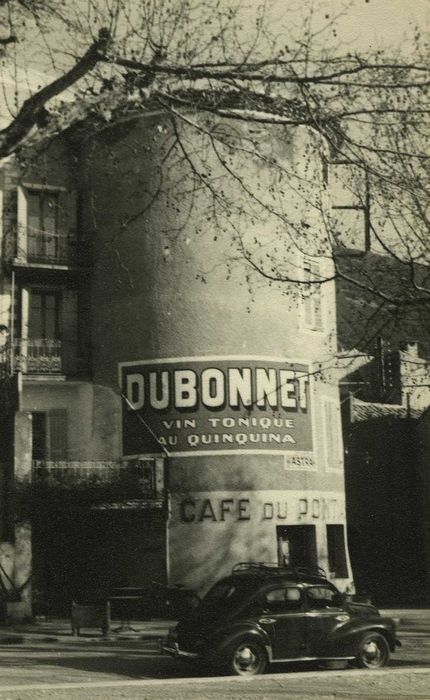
[(46, 661)]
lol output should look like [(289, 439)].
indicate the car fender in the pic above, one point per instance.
[(345, 636), (224, 637)]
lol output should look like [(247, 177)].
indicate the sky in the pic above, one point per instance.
[(362, 25), (376, 23), (366, 24)]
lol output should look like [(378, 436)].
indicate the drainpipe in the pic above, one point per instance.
[(12, 325), (408, 405)]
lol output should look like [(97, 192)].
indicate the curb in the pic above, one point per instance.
[(16, 638)]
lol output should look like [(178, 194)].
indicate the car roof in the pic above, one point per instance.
[(272, 573), (285, 578)]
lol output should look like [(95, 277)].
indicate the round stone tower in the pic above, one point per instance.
[(209, 321)]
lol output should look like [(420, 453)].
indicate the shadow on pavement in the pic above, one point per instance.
[(130, 663)]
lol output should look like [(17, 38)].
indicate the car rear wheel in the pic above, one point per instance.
[(245, 658), (373, 651)]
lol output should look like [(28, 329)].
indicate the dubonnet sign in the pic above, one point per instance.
[(213, 405)]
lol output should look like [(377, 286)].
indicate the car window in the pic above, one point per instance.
[(322, 597), (227, 594), (283, 599)]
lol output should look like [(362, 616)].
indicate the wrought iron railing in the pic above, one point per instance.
[(126, 479), (54, 248), (24, 245), (36, 356)]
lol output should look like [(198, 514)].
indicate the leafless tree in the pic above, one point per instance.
[(237, 79)]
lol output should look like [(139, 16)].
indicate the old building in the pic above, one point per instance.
[(165, 411), (385, 393), (383, 411)]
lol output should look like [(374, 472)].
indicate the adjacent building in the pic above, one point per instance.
[(384, 385)]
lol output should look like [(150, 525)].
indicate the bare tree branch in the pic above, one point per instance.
[(32, 109)]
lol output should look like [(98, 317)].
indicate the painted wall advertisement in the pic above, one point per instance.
[(216, 405)]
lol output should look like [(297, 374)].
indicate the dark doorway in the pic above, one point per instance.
[(297, 546), (84, 554), (49, 435)]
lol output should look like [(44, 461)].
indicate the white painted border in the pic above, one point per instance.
[(214, 453), (210, 358)]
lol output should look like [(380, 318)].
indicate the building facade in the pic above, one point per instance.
[(167, 413), (384, 384), (384, 413)]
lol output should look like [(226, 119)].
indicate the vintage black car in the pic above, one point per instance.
[(264, 614)]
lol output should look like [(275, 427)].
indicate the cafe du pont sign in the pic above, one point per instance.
[(204, 405)]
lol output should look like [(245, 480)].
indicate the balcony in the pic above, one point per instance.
[(132, 484), (29, 247), (51, 248), (37, 356)]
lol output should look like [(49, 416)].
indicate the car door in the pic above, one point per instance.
[(284, 619), (324, 613)]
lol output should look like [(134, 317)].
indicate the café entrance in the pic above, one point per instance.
[(297, 546)]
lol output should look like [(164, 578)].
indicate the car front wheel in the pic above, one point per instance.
[(245, 658), (373, 651)]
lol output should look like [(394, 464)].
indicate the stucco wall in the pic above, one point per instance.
[(93, 414), (170, 282)]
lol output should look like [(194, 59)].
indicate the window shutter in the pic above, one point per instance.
[(67, 226), (336, 551), (39, 431), (57, 434), (69, 331), (307, 296), (316, 297), (332, 439), (312, 297)]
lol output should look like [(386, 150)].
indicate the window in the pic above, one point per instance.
[(336, 551), (42, 225), (348, 188), (332, 438), (312, 293), (50, 434), (322, 597), (42, 211), (43, 319), (227, 595), (283, 599)]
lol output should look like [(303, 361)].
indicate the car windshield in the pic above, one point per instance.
[(228, 594)]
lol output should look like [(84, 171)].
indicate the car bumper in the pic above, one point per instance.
[(173, 650)]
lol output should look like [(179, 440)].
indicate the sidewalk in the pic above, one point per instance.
[(60, 630)]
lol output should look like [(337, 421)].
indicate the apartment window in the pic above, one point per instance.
[(348, 187), (50, 434), (312, 296), (332, 435), (336, 551), (42, 211), (42, 225), (44, 314)]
